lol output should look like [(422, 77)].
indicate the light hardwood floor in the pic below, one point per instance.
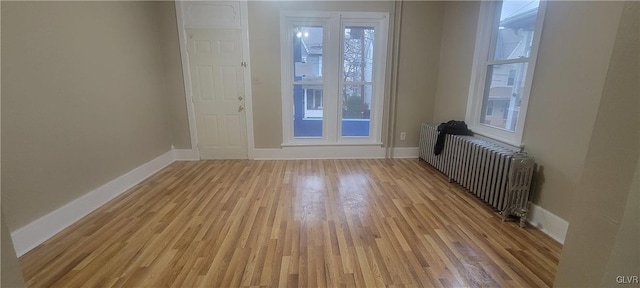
[(299, 223)]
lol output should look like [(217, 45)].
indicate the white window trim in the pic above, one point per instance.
[(485, 39), (332, 95)]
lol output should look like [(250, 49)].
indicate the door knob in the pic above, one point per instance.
[(240, 108)]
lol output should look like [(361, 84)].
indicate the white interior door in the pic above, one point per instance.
[(215, 60)]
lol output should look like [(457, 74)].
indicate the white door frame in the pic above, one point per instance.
[(243, 24), (244, 17)]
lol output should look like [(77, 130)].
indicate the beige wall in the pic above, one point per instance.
[(264, 41), (10, 272), (575, 49), (172, 69), (603, 237), (419, 57), (625, 253), (456, 57), (11, 275), (83, 100), (574, 54)]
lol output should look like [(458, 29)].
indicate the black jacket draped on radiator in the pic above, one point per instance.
[(452, 127)]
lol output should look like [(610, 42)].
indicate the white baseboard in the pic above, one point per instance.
[(38, 231), (404, 152), (186, 154), (320, 152), (548, 223)]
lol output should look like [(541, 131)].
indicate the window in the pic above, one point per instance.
[(512, 77), (506, 49), (333, 75)]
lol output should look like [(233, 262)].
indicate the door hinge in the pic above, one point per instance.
[(243, 64)]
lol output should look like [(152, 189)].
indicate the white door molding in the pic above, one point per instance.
[(186, 76), (248, 98)]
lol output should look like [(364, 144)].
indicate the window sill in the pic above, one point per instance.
[(483, 134)]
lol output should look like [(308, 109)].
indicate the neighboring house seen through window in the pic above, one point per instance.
[(506, 49)]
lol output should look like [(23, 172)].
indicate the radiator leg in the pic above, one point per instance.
[(523, 220), (517, 213), (504, 215)]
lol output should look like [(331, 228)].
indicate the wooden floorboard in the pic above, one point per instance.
[(302, 223)]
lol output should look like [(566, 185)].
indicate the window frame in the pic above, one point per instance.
[(486, 36), (333, 24)]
